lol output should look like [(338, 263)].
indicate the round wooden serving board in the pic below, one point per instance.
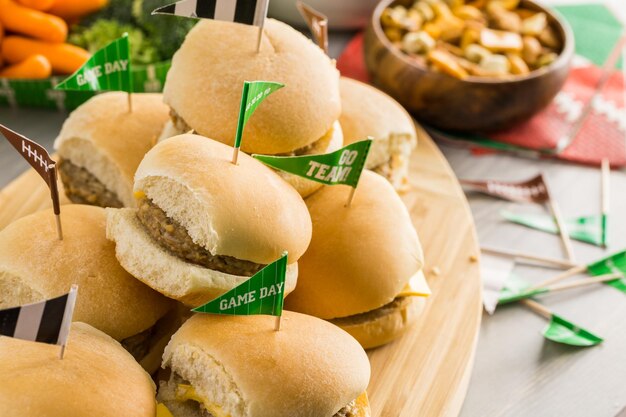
[(427, 371)]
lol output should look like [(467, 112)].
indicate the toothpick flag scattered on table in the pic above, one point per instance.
[(589, 229), (615, 263), (559, 329), (253, 93), (317, 23), (47, 321), (263, 293), (107, 70), (248, 12), (533, 190), (37, 156), (494, 272)]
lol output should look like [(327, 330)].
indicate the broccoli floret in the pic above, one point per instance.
[(118, 10), (167, 32), (103, 31)]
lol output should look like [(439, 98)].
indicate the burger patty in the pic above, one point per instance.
[(168, 389), (397, 303), (139, 344), (182, 126), (172, 236), (82, 187)]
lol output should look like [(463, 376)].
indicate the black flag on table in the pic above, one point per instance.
[(248, 12), (47, 321)]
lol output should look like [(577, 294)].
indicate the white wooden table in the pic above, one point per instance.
[(516, 373)]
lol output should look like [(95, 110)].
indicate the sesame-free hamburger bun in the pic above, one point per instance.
[(35, 265), (204, 85), (367, 111), (96, 377), (204, 225), (238, 366), (363, 267), (101, 144)]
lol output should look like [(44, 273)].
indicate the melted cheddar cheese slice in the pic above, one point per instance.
[(188, 393), (416, 287)]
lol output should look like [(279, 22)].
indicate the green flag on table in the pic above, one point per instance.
[(589, 229), (343, 166), (107, 70), (562, 331), (263, 293), (558, 330), (615, 263), (254, 92)]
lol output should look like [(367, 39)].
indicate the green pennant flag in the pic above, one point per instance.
[(253, 93), (615, 263), (263, 293), (562, 331), (558, 330), (343, 166), (589, 229), (507, 296), (107, 70)]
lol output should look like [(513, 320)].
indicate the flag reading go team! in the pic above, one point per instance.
[(248, 12), (107, 70), (343, 166), (263, 293), (252, 94)]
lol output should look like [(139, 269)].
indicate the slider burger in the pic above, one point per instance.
[(204, 225), (101, 144), (367, 111), (363, 268), (238, 366), (204, 85), (35, 265), (96, 377)]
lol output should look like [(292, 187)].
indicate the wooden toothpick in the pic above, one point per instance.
[(558, 217), (605, 196), (277, 323), (537, 308), (351, 196), (560, 263), (235, 156), (564, 275), (130, 103)]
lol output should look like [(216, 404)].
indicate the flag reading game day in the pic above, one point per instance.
[(343, 166), (263, 293), (107, 70), (248, 12), (253, 93)]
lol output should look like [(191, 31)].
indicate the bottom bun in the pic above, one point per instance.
[(166, 273), (383, 325)]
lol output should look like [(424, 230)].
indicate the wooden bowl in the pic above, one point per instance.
[(471, 104)]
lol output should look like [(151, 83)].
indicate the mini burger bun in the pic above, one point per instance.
[(205, 81), (96, 377), (384, 325), (35, 265), (330, 142), (308, 368), (109, 141), (361, 256), (245, 211)]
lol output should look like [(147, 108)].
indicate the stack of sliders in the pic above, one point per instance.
[(35, 265), (367, 111), (363, 268), (203, 90), (102, 143)]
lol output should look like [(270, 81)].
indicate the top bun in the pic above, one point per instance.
[(35, 265), (360, 256), (96, 377), (206, 78), (367, 111), (245, 211), (109, 141), (308, 368)]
